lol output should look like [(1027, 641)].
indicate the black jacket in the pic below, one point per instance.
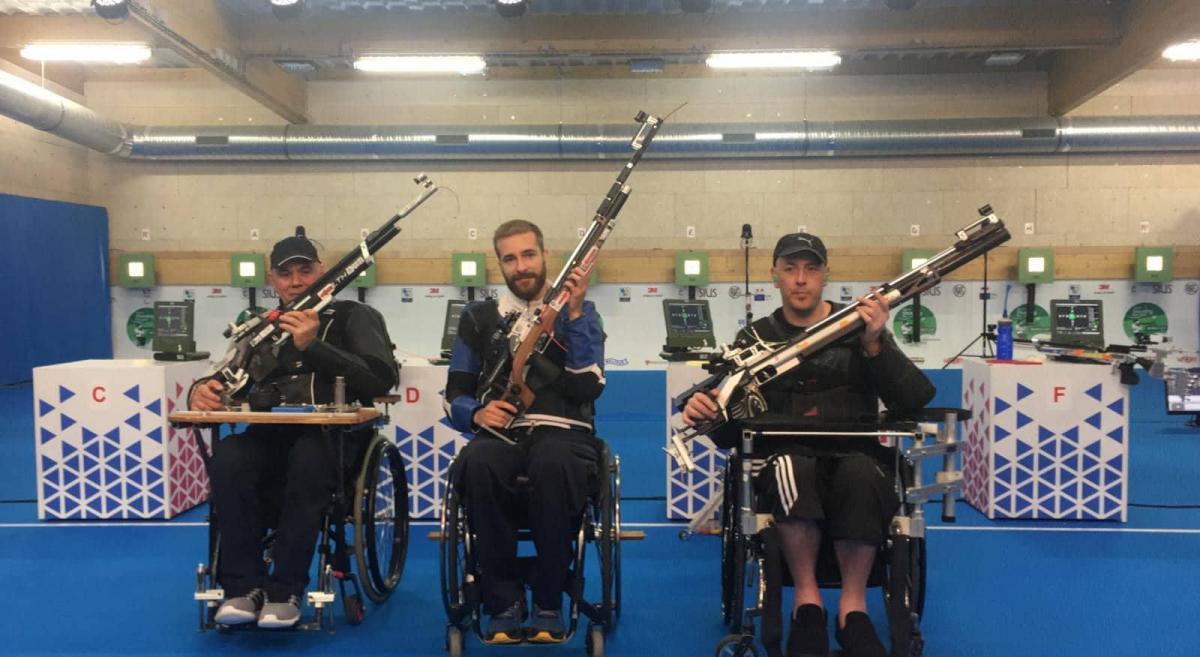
[(352, 342), (839, 383)]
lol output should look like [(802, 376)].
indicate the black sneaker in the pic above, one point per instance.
[(505, 627), (858, 637), (242, 609), (547, 626), (809, 636)]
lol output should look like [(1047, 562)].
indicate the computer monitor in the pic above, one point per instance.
[(450, 327), (1077, 323), (1183, 390), (689, 324), (174, 331)]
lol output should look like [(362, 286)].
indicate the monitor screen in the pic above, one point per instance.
[(450, 328), (688, 317), (173, 330), (1078, 323), (1183, 390), (689, 324)]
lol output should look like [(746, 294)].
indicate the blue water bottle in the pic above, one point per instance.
[(1004, 339)]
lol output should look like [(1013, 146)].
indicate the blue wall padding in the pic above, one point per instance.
[(54, 266)]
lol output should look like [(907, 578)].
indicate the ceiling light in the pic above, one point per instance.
[(108, 53), (461, 64), (111, 9), (811, 60), (1188, 51), (1004, 59), (511, 8), (285, 9)]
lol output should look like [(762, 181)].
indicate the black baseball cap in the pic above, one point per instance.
[(800, 243), (297, 247)]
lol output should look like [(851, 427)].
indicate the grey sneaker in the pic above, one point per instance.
[(280, 614), (505, 627), (242, 609)]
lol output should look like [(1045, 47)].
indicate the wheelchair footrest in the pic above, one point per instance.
[(633, 535), (319, 599), (209, 595)]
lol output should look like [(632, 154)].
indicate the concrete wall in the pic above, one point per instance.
[(1069, 200)]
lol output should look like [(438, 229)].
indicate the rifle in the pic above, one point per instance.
[(1123, 358), (740, 370), (528, 335), (255, 343)]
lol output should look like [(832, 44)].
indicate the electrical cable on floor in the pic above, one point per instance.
[(15, 384), (1140, 505), (18, 501)]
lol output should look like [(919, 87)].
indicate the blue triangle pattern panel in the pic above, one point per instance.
[(1049, 457)]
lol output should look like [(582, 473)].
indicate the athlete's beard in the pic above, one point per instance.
[(539, 282)]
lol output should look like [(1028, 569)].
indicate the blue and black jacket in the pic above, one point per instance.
[(566, 379)]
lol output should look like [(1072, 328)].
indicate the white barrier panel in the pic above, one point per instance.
[(103, 444), (1046, 441)]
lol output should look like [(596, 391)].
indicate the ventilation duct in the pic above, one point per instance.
[(41, 109)]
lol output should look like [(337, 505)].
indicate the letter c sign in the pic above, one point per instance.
[(98, 394)]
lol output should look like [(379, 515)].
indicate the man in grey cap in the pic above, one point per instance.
[(346, 339), (831, 486)]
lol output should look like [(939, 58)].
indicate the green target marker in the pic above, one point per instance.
[(902, 324), (1145, 318)]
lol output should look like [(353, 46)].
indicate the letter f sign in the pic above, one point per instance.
[(1059, 393)]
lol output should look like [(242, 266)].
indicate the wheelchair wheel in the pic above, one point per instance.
[(595, 641), (381, 520), (904, 595), (609, 544), (452, 561), (454, 641), (728, 560), (737, 645)]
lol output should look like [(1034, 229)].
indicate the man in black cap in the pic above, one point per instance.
[(292, 463), (837, 487)]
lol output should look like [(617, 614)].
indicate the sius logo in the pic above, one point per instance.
[(616, 361), (707, 293)]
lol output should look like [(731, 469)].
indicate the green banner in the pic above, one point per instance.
[(1025, 328), (902, 324), (1145, 318), (140, 327), (248, 313)]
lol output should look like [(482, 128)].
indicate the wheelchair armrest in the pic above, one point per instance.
[(929, 414)]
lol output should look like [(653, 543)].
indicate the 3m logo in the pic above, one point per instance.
[(215, 290), (1103, 287), (651, 290), (435, 290)]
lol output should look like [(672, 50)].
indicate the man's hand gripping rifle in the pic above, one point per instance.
[(529, 335), (255, 342), (741, 370)]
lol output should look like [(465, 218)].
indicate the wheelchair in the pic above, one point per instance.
[(752, 558), (363, 543), (599, 526)]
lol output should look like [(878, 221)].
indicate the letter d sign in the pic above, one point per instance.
[(412, 395)]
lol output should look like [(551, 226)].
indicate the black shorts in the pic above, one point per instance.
[(853, 497)]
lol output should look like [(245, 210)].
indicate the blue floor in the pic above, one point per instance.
[(995, 589)]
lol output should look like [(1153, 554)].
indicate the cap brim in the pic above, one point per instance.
[(288, 259)]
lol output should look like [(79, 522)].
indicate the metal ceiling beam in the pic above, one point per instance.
[(1148, 27), (1030, 27), (200, 31)]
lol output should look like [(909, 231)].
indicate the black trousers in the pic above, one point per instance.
[(853, 496), (561, 465), (273, 477)]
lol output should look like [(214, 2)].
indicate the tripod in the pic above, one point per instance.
[(987, 332)]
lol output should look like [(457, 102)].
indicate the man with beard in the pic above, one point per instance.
[(555, 447), (832, 486), (295, 463)]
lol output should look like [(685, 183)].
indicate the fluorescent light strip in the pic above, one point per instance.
[(1188, 51), (461, 64), (110, 53), (811, 60)]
